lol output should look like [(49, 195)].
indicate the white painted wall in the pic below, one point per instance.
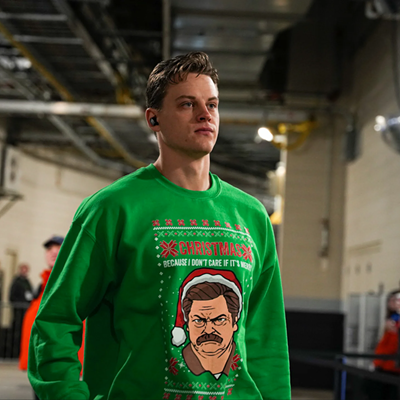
[(51, 196)]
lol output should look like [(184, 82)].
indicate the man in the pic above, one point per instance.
[(129, 250), (209, 304), (52, 248), (20, 298)]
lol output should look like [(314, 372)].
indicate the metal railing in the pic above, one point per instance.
[(11, 319), (338, 362)]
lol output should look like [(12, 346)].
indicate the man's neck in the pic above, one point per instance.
[(186, 172)]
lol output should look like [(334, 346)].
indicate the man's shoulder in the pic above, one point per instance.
[(129, 188), (241, 198)]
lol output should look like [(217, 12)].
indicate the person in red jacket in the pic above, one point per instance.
[(52, 247)]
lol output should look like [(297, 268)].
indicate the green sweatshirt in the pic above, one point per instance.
[(181, 293)]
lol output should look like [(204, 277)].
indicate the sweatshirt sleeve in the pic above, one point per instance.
[(77, 284), (266, 338)]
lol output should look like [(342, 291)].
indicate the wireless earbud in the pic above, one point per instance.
[(153, 121)]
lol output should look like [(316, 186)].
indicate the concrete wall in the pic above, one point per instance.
[(51, 197), (372, 234), (314, 191)]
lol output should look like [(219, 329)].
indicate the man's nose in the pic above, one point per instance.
[(209, 327), (203, 114)]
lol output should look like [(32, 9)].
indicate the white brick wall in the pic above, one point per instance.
[(51, 196)]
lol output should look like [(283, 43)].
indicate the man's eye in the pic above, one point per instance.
[(213, 105), (221, 319), (187, 104)]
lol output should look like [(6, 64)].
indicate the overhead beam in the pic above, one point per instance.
[(33, 17), (48, 39), (91, 47), (71, 109), (239, 14)]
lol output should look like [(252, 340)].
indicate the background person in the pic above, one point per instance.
[(20, 297), (52, 248), (388, 345)]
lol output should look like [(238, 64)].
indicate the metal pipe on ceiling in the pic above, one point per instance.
[(72, 109), (66, 94), (66, 129), (33, 17)]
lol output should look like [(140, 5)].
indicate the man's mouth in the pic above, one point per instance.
[(205, 130), (208, 337)]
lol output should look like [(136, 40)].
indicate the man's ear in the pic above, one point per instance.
[(151, 119), (235, 327)]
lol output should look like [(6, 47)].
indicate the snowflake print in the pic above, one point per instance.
[(247, 255), (189, 397), (168, 222), (229, 391), (178, 397), (156, 222), (205, 222), (171, 368), (234, 365), (213, 397), (166, 395), (238, 228), (181, 222), (193, 222), (217, 223), (201, 397), (228, 225), (169, 248)]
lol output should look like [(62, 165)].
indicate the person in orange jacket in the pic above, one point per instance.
[(388, 345), (52, 247)]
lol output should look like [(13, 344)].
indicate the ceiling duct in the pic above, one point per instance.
[(304, 59)]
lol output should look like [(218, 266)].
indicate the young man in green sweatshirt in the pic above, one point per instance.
[(174, 270)]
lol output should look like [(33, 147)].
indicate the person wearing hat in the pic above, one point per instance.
[(52, 247), (174, 270)]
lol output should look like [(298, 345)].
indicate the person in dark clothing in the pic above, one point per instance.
[(20, 297)]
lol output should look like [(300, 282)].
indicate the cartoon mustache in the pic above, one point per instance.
[(208, 337)]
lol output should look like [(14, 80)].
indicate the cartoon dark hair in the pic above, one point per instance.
[(210, 291)]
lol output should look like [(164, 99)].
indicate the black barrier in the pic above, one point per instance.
[(11, 320), (337, 363)]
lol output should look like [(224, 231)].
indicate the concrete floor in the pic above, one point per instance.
[(14, 385)]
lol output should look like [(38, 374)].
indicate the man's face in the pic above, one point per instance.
[(51, 254), (210, 326), (23, 270), (189, 118)]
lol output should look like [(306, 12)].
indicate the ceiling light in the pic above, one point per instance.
[(265, 134), (389, 128)]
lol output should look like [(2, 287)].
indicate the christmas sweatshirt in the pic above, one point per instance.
[(181, 293)]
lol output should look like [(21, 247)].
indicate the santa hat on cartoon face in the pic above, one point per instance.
[(201, 275)]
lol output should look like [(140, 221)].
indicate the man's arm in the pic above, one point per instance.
[(266, 339), (77, 284)]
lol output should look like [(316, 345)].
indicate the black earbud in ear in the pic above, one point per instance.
[(153, 121)]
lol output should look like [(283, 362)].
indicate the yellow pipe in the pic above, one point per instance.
[(66, 95)]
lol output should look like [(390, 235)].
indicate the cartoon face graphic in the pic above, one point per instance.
[(210, 309), (211, 326)]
